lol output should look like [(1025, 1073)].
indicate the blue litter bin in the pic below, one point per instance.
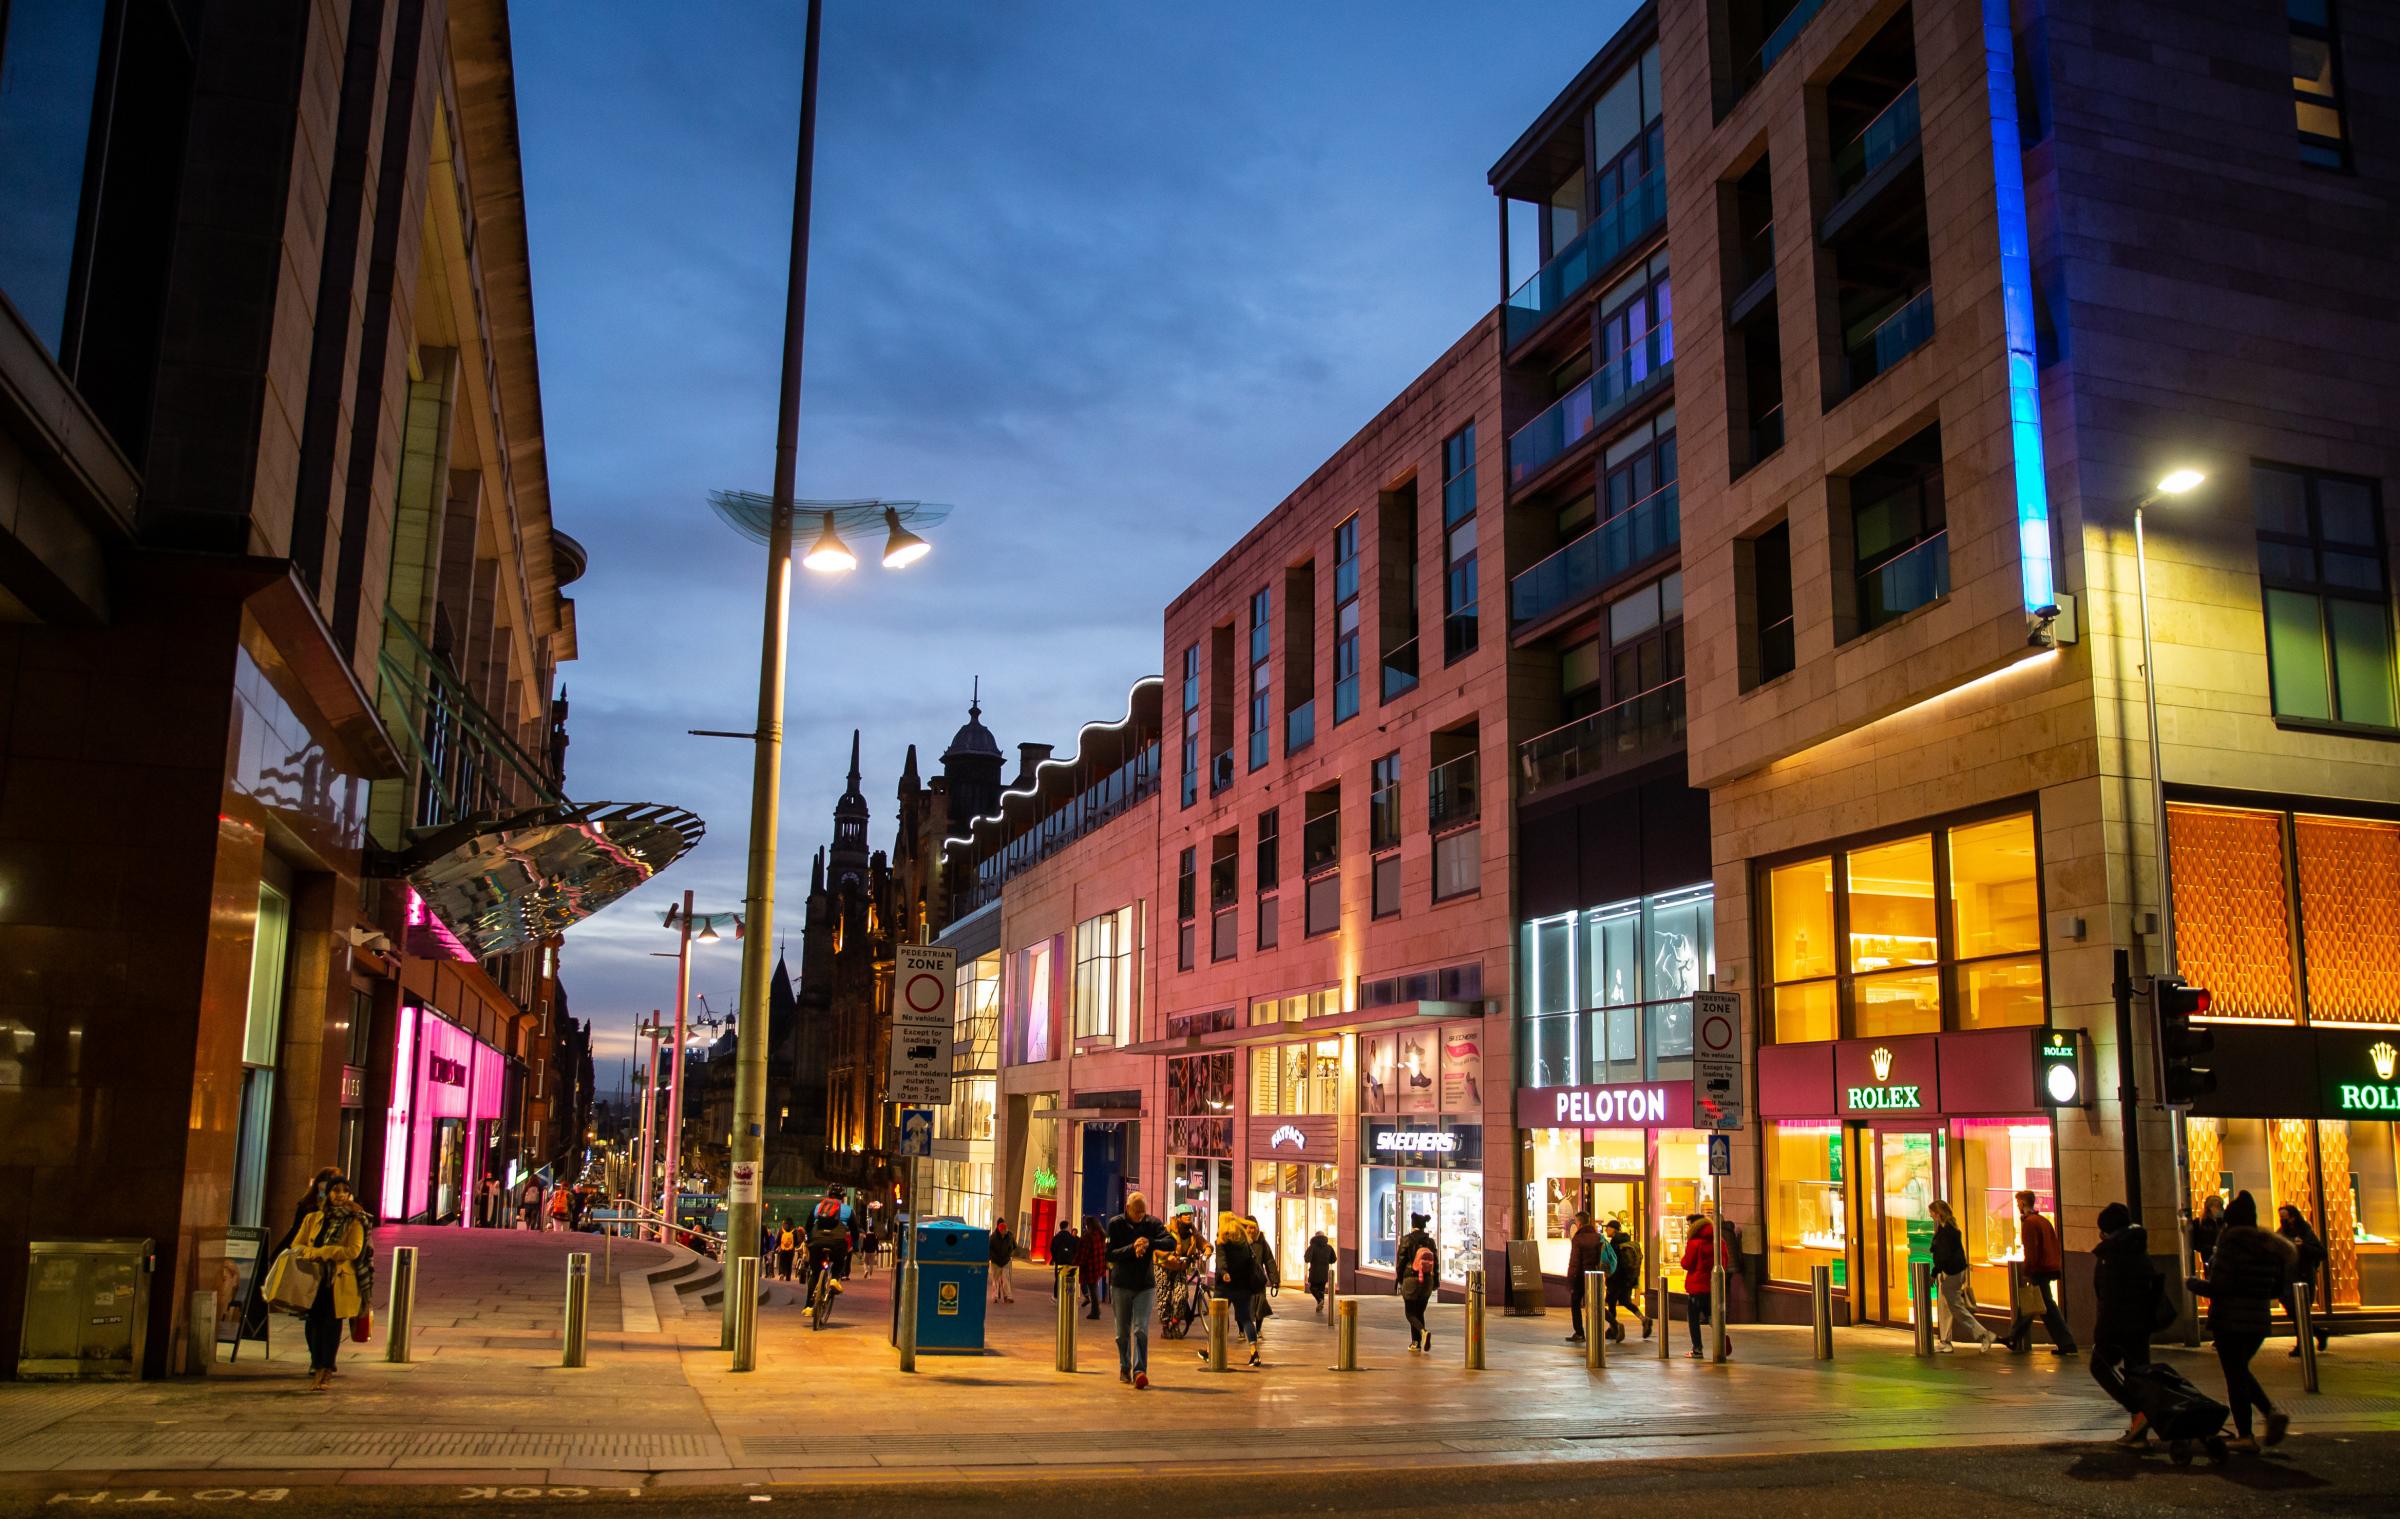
[(954, 1263)]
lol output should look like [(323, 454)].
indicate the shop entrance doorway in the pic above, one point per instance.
[(449, 1167), (1415, 1200), (1627, 1200), (1908, 1174)]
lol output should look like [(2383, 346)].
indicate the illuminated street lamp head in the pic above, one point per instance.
[(707, 933), (901, 548), (830, 556), (2177, 481)]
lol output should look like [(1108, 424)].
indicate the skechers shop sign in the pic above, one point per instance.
[(1456, 1146)]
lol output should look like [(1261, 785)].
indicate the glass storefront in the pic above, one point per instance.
[(2342, 1174), (1421, 1129), (1293, 1201), (1606, 989), (1932, 931)]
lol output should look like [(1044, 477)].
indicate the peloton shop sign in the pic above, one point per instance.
[(1630, 1105)]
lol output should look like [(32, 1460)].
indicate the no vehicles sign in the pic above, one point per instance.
[(1716, 1060), (924, 987)]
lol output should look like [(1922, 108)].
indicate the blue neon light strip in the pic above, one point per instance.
[(2016, 308)]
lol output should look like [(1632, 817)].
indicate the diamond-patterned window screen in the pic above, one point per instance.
[(2233, 926), (2341, 1212), (2350, 917)]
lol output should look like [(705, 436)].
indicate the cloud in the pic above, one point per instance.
[(1112, 279)]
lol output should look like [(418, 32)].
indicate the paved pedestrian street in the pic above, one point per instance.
[(484, 1404)]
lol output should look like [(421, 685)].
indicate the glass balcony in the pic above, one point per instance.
[(1631, 218), (1611, 739), (1904, 582), (1891, 339), (1640, 533), (1892, 130), (1400, 671), (1300, 727), (1453, 795), (1784, 34), (1614, 386)]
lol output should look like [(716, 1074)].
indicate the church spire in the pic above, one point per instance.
[(854, 759), (848, 862)]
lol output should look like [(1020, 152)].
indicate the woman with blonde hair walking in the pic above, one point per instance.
[(1950, 1280)]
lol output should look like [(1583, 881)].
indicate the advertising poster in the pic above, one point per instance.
[(1420, 1064), (1462, 1068), (1377, 1058)]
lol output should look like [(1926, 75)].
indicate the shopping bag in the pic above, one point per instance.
[(363, 1327), (292, 1285), (2029, 1300)]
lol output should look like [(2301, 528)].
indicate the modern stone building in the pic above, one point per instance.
[(281, 613)]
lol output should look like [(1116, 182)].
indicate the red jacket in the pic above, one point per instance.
[(1695, 1259), (2044, 1260)]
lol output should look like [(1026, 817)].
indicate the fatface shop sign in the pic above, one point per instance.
[(1634, 1106), (1287, 1136)]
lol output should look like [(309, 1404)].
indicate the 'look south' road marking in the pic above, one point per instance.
[(194, 1495)]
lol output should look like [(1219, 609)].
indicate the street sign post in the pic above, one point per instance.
[(924, 986), (1717, 1060)]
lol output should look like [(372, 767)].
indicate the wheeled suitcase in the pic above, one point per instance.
[(2178, 1412)]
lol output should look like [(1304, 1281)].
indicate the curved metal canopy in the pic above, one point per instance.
[(751, 513), (499, 884)]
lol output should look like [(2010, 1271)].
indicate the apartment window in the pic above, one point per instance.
[(1224, 891), (1637, 333), (1103, 990), (2317, 84), (1345, 621), (1299, 657), (1628, 136), (1321, 860), (1220, 708), (1187, 909), (1899, 533), (1396, 588), (2325, 585), (1383, 834), (1913, 935), (1191, 725), (1261, 707), (1460, 593), (1270, 876), (1770, 573)]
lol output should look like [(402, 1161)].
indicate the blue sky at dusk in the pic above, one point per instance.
[(1112, 278)]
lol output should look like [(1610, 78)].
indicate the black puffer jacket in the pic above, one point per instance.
[(2245, 1278), (2124, 1286)]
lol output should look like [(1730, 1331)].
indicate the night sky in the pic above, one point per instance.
[(1111, 276)]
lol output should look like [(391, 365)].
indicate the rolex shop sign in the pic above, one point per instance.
[(1877, 1076), (2360, 1077)]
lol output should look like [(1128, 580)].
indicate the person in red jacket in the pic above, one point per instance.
[(2045, 1260), (1701, 1255)]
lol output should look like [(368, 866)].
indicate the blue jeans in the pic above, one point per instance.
[(1245, 1315), (1133, 1329)]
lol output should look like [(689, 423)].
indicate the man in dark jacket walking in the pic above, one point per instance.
[(2126, 1291), (1066, 1250), (2045, 1262), (1586, 1252), (2245, 1277), (1625, 1287), (1133, 1236)]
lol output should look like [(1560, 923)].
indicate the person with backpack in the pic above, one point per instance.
[(2126, 1293), (1701, 1256), (2246, 1277), (1587, 1252), (529, 1204), (1950, 1277), (2309, 1260), (1320, 1259), (786, 1244), (1625, 1287), (1420, 1277)]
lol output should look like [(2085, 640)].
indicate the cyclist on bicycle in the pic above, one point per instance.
[(828, 1241)]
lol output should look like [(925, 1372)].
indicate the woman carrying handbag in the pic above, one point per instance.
[(325, 1250)]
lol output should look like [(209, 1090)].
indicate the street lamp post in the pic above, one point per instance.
[(644, 1182), (2174, 483), (703, 928), (772, 519)]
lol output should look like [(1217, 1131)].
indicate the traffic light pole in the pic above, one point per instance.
[(2166, 928)]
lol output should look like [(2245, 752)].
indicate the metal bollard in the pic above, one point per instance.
[(1474, 1331), (746, 1269), (1066, 1318), (579, 1308), (1719, 1344), (908, 1316), (2016, 1299), (1666, 1284), (608, 1253), (1595, 1324), (1345, 1334), (1920, 1293), (1820, 1310), (403, 1307), (2304, 1325), (1220, 1317)]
